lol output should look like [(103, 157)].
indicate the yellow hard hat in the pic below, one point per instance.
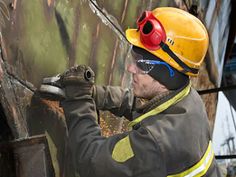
[(175, 36)]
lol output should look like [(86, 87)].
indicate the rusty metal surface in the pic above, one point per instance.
[(46, 117), (51, 36), (9, 101), (31, 157)]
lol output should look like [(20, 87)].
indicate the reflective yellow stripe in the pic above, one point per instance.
[(163, 106), (201, 167), (122, 150)]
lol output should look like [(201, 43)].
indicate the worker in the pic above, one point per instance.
[(170, 134)]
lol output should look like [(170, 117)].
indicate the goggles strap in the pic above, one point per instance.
[(186, 68)]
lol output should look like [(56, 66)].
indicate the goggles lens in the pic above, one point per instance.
[(145, 66), (148, 65)]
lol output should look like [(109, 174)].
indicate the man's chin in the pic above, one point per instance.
[(136, 90)]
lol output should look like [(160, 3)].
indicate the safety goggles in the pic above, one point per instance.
[(153, 37), (144, 66), (151, 31), (147, 65)]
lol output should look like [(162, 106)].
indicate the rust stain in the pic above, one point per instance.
[(50, 2), (48, 7), (105, 128), (54, 106), (94, 48), (3, 48), (72, 50), (19, 124), (113, 62), (13, 4), (124, 11)]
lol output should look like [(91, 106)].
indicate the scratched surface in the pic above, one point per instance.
[(40, 38)]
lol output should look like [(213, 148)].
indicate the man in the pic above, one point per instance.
[(170, 134)]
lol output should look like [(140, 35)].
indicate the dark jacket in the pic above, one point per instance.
[(174, 142)]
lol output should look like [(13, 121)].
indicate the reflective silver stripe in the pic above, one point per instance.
[(200, 168), (203, 166)]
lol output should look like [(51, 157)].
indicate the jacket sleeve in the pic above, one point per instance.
[(115, 99), (91, 155)]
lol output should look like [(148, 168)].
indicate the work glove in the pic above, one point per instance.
[(78, 82)]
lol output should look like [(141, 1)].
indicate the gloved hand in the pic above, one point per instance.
[(78, 81)]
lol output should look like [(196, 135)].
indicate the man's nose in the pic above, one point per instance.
[(132, 68)]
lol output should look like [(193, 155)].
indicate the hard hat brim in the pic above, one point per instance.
[(133, 36)]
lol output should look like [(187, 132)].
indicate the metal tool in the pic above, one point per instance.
[(51, 89)]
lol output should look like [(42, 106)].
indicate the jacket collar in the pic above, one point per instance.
[(148, 105), (161, 103)]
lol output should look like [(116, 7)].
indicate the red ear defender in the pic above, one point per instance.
[(155, 38), (151, 31)]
